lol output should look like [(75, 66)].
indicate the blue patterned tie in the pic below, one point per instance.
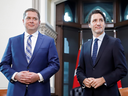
[(29, 49), (95, 47)]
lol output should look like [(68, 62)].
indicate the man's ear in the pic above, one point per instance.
[(105, 24), (23, 20), (89, 25), (39, 22)]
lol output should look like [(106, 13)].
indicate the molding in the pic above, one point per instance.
[(35, 4), (47, 30), (53, 11), (58, 1)]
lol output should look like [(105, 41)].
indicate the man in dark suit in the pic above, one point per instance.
[(102, 61), (30, 59)]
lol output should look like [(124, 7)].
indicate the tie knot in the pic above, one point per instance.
[(30, 36), (96, 39)]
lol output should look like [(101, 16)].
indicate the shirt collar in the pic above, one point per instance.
[(33, 35), (100, 37)]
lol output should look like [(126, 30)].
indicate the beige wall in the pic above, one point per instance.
[(49, 11)]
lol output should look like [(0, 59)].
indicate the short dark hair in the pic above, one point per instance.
[(95, 12), (33, 10)]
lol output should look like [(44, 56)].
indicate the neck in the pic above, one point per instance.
[(97, 34), (31, 32)]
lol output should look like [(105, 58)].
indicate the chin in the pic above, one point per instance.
[(99, 32)]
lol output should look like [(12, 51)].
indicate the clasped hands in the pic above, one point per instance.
[(26, 77), (93, 82)]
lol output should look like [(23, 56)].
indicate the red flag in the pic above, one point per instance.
[(119, 84), (75, 81)]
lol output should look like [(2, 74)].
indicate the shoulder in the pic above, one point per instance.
[(115, 43), (17, 37), (87, 44), (45, 36), (112, 39), (89, 41)]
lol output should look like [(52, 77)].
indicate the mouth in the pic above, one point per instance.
[(98, 27), (31, 25)]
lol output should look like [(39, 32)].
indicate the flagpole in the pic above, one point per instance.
[(75, 81), (81, 38)]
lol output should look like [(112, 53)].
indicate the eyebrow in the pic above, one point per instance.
[(98, 18)]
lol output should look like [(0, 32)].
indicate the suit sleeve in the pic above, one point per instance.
[(53, 62), (6, 62), (119, 61), (80, 69)]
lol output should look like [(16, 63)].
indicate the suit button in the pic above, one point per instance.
[(27, 67), (93, 69)]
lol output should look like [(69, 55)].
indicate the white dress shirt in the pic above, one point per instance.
[(33, 39)]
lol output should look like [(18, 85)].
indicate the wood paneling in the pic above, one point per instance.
[(3, 92), (60, 14), (59, 74)]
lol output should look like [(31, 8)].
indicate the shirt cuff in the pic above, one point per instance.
[(13, 76), (41, 77), (105, 82), (83, 86)]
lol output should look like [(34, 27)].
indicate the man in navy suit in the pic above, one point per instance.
[(102, 61), (30, 78)]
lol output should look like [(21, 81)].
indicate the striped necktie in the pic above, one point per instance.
[(29, 49), (95, 47)]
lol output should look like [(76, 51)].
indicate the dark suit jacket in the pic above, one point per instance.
[(110, 64), (44, 61)]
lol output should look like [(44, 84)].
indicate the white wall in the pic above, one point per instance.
[(11, 14)]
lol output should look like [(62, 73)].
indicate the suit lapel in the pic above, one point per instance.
[(89, 50), (22, 48), (37, 46), (102, 48)]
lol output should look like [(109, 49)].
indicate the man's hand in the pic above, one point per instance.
[(21, 77), (26, 77), (88, 82), (32, 77), (97, 82)]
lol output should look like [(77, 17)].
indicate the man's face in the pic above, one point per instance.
[(31, 22), (97, 24)]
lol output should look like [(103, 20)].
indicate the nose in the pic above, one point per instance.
[(31, 20), (98, 22)]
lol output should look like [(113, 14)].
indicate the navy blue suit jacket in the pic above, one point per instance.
[(44, 61), (110, 64)]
